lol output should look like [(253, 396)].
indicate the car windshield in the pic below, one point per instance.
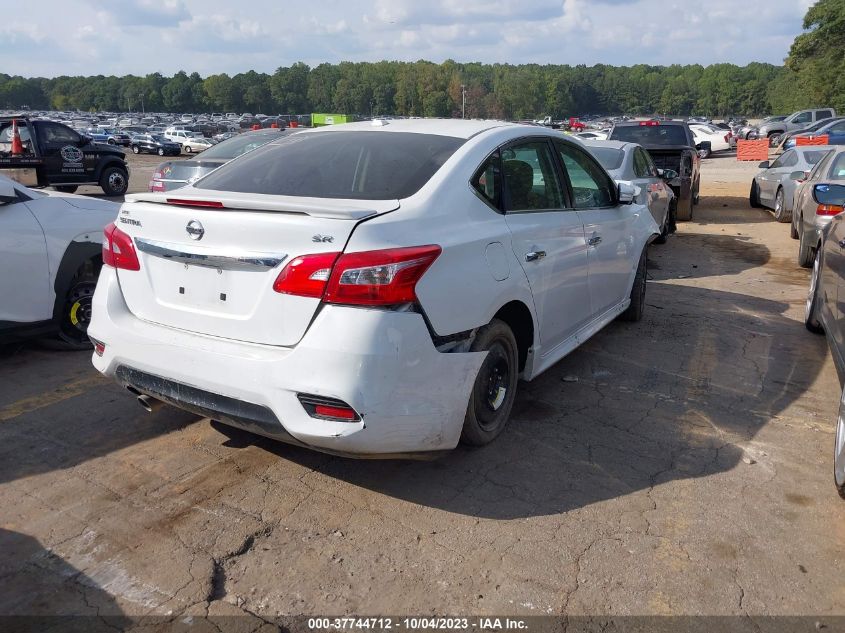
[(238, 145), (336, 164), (649, 135), (609, 157)]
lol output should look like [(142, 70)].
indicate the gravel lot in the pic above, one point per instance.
[(680, 465)]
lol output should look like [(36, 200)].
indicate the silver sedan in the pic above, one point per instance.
[(812, 214), (775, 185), (629, 162)]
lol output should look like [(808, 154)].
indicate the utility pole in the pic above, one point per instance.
[(463, 101), (143, 111)]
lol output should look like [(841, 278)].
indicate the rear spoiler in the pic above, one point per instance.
[(338, 209)]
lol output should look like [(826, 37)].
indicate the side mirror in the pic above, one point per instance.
[(799, 175), (626, 193), (764, 165), (7, 192), (667, 174), (833, 195)]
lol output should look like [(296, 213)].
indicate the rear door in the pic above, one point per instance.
[(547, 238), (608, 229)]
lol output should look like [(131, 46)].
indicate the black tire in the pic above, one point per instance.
[(684, 210), (781, 214), (634, 312), (161, 151), (774, 139), (806, 253), (793, 229), (187, 149), (811, 308), (696, 196), (112, 141), (66, 188), (839, 449), (754, 196), (76, 313), (136, 149), (494, 391), (114, 181)]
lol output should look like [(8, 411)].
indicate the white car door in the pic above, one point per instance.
[(608, 230), (25, 278), (547, 239)]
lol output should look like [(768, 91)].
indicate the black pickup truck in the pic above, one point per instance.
[(671, 146), (53, 154)]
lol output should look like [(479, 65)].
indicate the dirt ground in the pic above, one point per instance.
[(680, 465)]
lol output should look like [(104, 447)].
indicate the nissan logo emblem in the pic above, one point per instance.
[(195, 230)]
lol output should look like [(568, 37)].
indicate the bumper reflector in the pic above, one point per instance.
[(324, 408)]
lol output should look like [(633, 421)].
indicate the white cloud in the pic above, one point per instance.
[(211, 36)]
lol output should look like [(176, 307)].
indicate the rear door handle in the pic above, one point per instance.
[(533, 256), (594, 241)]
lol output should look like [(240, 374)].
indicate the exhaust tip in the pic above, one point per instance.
[(133, 391)]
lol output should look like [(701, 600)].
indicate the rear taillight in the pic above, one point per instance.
[(156, 185), (306, 275), (649, 123), (829, 209), (385, 277), (728, 137), (118, 249)]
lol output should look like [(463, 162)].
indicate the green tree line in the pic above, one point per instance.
[(812, 76)]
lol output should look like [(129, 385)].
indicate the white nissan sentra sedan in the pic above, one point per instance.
[(370, 289)]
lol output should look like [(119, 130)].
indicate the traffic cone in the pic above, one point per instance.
[(17, 146)]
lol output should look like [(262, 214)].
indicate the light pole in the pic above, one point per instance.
[(143, 111), (463, 101)]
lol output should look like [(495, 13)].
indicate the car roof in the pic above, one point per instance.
[(459, 128), (637, 123)]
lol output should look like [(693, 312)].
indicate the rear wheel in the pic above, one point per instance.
[(114, 181), (161, 151), (494, 391), (805, 249), (136, 149), (754, 196), (811, 308), (684, 209), (634, 312), (188, 149), (781, 214), (66, 188), (774, 139), (793, 227)]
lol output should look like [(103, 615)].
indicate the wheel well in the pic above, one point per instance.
[(518, 317)]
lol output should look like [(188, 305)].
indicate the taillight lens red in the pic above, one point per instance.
[(156, 185), (343, 413), (119, 250), (306, 275), (829, 209), (384, 277)]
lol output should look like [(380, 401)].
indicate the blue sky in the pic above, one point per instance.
[(89, 37)]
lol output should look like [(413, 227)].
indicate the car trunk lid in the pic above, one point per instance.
[(211, 270)]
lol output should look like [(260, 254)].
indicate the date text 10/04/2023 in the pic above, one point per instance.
[(350, 623)]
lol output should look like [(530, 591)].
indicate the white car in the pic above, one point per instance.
[(179, 136), (196, 144), (50, 255), (718, 138), (373, 288)]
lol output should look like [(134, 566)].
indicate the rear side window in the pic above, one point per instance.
[(641, 164), (823, 114), (488, 180), (358, 165), (814, 156), (530, 177)]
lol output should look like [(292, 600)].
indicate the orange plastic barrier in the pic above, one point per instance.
[(811, 140), (753, 150)]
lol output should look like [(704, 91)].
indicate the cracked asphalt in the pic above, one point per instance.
[(680, 465)]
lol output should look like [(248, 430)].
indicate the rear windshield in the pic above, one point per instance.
[(230, 148), (359, 165), (650, 134), (609, 157), (814, 156)]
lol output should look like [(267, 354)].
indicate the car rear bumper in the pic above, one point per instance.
[(410, 397)]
